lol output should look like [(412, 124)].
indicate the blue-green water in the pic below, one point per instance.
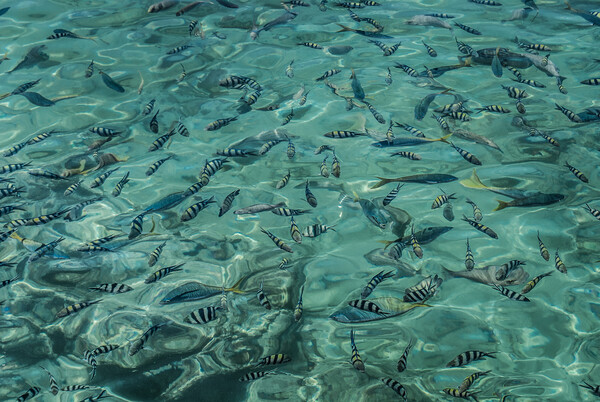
[(545, 348)]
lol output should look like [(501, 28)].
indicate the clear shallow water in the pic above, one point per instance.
[(544, 348)]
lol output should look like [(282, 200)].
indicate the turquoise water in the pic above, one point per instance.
[(545, 348)]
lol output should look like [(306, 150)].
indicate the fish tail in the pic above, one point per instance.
[(421, 305), (568, 6), (382, 181), (444, 138), (344, 28), (236, 286), (356, 197), (17, 237), (473, 181), (386, 242), (6, 95), (501, 205)]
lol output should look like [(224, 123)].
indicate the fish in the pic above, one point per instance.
[(188, 7), (423, 105), (136, 226), (355, 359), (262, 298), (372, 212), (423, 290), (469, 260), (34, 56), (426, 178), (138, 344), (193, 210), (154, 167), (467, 382), (428, 20), (396, 386), (476, 138), (469, 157), (335, 166), (323, 169), (316, 230), (310, 198), (256, 374), (594, 389), (30, 393), (155, 254), (43, 219), (388, 77), (482, 228), (475, 182), (594, 19), (282, 19), (257, 208), (409, 141), (468, 29), (161, 5), (368, 34), (505, 269), (53, 384), (577, 173), (112, 288), (376, 280), (278, 358), (401, 366), (192, 291), (75, 308), (496, 65), (119, 186), (89, 357), (99, 180), (219, 123), (299, 309), (109, 82), (44, 249), (468, 357), (367, 306), (558, 263), (511, 294), (37, 99), (536, 200), (532, 283), (569, 114), (458, 393), (430, 51), (154, 122), (295, 232), (595, 213), (328, 74), (359, 93), (278, 242), (415, 244), (442, 199), (392, 194), (202, 315), (228, 201)]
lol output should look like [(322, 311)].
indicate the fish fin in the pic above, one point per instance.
[(344, 28), (236, 286), (473, 181), (356, 197), (382, 181), (501, 205), (386, 242)]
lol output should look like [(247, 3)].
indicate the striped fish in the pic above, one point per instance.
[(43, 219), (100, 350), (282, 211), (595, 213), (396, 386), (415, 244), (423, 290), (430, 51), (442, 199), (254, 376), (89, 71), (148, 107), (284, 264), (227, 202), (70, 388), (13, 167), (291, 149), (90, 358), (155, 254), (136, 226), (560, 266), (99, 180), (262, 297), (120, 184), (482, 228), (104, 131), (284, 181), (577, 172), (328, 74), (343, 134), (458, 393), (161, 273), (477, 215), (112, 288), (532, 283), (407, 69), (515, 93), (182, 130), (442, 122), (323, 169), (288, 117), (543, 250), (467, 382), (468, 29), (154, 123), (335, 166), (468, 357), (74, 308), (409, 155), (278, 242), (316, 230), (310, 198), (401, 366), (202, 315), (266, 147), (299, 308), (511, 294), (192, 211), (7, 282), (376, 280), (139, 343), (367, 305), (154, 167), (278, 358), (469, 157), (570, 114), (30, 393), (14, 150), (53, 384), (594, 389), (72, 188), (161, 141), (44, 249), (295, 232), (356, 361)]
